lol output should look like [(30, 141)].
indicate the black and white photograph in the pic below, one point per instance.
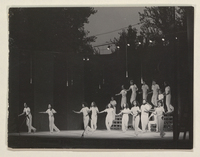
[(100, 77)]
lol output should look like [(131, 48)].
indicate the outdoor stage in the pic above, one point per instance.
[(100, 139), (101, 134)]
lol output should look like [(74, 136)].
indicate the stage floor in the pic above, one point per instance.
[(102, 134)]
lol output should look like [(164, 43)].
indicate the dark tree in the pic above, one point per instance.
[(50, 29), (162, 21)]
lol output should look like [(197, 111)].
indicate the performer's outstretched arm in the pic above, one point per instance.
[(21, 114), (102, 111), (76, 111)]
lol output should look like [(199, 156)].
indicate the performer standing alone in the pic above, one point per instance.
[(27, 111), (123, 93), (155, 87), (50, 111), (134, 89)]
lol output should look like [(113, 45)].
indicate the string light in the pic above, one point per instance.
[(118, 47), (150, 41), (139, 43), (163, 39), (128, 44)]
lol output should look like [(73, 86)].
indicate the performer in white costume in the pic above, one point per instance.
[(160, 119), (145, 89), (27, 112), (123, 93), (155, 87), (153, 121), (125, 117), (50, 111), (160, 96), (85, 110), (145, 109), (135, 110), (94, 109), (109, 116), (168, 96), (134, 89), (113, 103)]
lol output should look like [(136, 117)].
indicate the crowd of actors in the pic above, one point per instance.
[(147, 113)]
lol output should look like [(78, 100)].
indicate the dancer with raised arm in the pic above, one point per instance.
[(94, 109), (135, 110), (85, 110), (27, 112), (145, 109), (134, 89), (155, 87), (168, 96), (160, 119), (109, 116), (113, 103), (50, 111), (145, 89), (125, 117), (123, 93)]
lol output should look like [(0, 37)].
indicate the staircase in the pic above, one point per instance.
[(117, 123), (168, 124)]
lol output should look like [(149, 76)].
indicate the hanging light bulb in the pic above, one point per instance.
[(126, 74), (163, 39), (83, 59), (72, 82), (128, 44), (88, 59), (150, 41), (139, 43), (67, 84), (176, 38), (99, 86), (31, 81), (118, 47)]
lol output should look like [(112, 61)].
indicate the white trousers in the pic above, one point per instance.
[(109, 120), (125, 118), (52, 125), (144, 121), (29, 123), (94, 122)]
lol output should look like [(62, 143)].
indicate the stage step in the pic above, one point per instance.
[(168, 124), (117, 123)]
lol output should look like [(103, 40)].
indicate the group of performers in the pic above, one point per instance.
[(50, 111), (143, 113), (147, 111)]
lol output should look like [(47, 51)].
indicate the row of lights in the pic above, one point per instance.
[(86, 59), (139, 43)]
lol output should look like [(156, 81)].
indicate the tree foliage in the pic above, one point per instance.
[(161, 21), (50, 29)]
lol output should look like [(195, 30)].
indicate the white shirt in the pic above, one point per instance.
[(113, 102), (109, 111), (123, 93), (167, 90), (27, 110), (155, 88), (50, 112), (135, 110), (145, 88), (160, 96), (94, 110), (159, 111), (133, 88), (85, 111), (144, 108)]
